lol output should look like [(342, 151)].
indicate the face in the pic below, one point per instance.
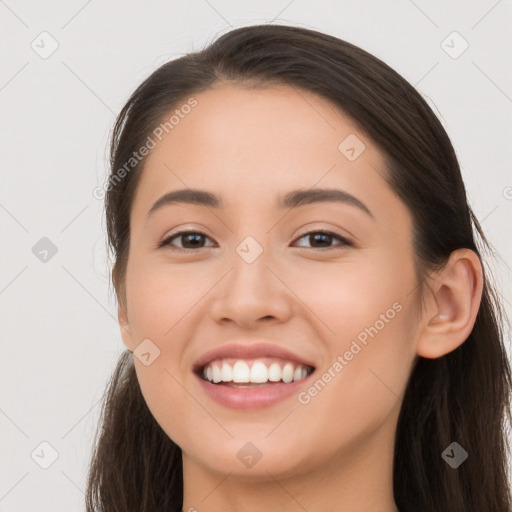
[(253, 271)]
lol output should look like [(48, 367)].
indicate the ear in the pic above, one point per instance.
[(122, 316), (451, 311)]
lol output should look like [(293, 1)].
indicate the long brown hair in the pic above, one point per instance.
[(463, 396)]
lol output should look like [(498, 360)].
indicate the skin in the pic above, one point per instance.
[(251, 146)]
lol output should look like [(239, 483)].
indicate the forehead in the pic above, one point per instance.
[(252, 145), (244, 124)]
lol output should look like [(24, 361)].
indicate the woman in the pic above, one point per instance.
[(307, 318)]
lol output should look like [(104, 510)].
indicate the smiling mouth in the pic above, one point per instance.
[(253, 374)]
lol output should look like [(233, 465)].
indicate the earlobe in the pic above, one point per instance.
[(454, 305)]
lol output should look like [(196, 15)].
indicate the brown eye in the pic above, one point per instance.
[(324, 238), (190, 240)]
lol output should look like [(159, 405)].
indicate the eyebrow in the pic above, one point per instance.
[(293, 199)]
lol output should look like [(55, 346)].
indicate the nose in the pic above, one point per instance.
[(251, 293)]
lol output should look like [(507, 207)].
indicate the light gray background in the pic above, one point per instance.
[(59, 333)]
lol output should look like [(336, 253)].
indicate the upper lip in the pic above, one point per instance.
[(245, 351)]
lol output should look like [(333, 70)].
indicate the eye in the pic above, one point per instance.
[(325, 237), (192, 240)]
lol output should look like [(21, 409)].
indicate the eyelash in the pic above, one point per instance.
[(167, 241)]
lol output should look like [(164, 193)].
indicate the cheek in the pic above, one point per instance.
[(159, 296), (364, 378), (367, 311), (351, 295)]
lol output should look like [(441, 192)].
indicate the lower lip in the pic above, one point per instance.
[(252, 398)]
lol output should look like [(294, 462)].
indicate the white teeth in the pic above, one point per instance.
[(241, 372), (259, 373), (274, 373), (287, 372), (227, 373), (216, 374)]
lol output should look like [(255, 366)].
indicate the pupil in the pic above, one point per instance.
[(196, 236), (323, 235)]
